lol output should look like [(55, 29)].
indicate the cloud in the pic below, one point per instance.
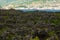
[(28, 3)]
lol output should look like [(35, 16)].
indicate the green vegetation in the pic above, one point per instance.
[(19, 25), (36, 38)]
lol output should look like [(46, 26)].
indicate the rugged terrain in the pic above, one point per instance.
[(19, 25)]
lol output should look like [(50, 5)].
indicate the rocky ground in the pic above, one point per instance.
[(18, 25)]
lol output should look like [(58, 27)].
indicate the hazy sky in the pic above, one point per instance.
[(9, 1), (17, 2), (6, 2)]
